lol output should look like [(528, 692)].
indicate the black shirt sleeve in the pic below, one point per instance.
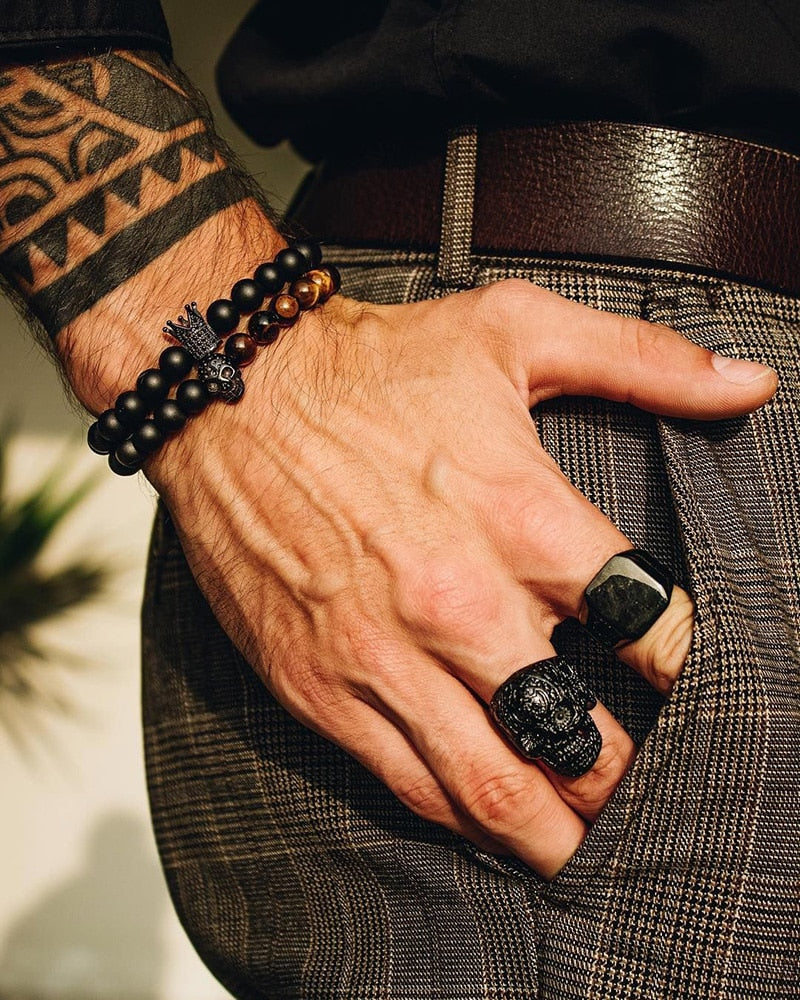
[(41, 28)]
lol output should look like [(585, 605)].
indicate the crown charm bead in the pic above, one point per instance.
[(220, 376), (194, 333)]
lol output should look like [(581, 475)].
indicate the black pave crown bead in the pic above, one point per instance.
[(626, 597)]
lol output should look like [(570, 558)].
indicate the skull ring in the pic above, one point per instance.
[(543, 709)]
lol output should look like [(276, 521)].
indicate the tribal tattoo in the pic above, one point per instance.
[(105, 163)]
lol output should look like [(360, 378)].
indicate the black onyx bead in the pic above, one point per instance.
[(130, 409), (148, 438), (270, 277), (264, 327), (222, 316), (292, 263), (121, 470), (311, 251), (152, 385), (168, 417), (240, 349), (247, 295), (99, 444), (175, 363), (192, 397), (109, 426), (128, 454)]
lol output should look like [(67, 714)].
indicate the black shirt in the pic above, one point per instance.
[(330, 72)]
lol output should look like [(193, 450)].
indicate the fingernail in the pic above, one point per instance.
[(738, 371)]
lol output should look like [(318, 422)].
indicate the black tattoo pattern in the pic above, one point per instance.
[(104, 164)]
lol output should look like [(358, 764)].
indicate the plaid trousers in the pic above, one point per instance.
[(298, 875)]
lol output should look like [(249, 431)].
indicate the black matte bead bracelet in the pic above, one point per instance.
[(143, 418)]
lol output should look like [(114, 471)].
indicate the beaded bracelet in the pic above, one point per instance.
[(141, 419)]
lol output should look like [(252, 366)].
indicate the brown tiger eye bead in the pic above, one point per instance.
[(263, 328), (333, 274), (322, 280), (285, 307), (240, 349), (306, 292)]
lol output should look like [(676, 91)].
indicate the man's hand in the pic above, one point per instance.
[(379, 530)]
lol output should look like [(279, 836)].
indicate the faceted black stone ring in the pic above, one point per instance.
[(543, 709), (626, 597)]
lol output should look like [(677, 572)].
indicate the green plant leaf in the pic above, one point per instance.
[(31, 594)]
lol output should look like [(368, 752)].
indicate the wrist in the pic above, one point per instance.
[(268, 425), (104, 349), (207, 349)]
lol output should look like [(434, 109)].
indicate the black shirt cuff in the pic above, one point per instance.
[(40, 28)]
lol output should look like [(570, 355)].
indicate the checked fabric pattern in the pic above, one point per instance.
[(299, 876)]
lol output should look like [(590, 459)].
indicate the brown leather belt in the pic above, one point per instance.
[(625, 193)]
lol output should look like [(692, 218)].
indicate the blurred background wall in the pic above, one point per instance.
[(84, 913)]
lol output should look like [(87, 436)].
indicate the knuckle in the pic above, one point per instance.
[(589, 794), (504, 298), (423, 796), (447, 598), (498, 802), (503, 320), (298, 682), (611, 765), (536, 518), (528, 516), (644, 340), (360, 641)]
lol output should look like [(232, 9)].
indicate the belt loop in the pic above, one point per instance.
[(454, 267)]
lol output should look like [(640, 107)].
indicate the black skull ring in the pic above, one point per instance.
[(543, 709)]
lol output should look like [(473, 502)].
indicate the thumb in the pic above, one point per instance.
[(580, 351)]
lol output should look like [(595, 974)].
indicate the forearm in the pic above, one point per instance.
[(120, 205)]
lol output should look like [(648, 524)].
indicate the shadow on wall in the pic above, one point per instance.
[(98, 934)]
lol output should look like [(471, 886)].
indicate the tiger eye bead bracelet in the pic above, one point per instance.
[(141, 419)]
